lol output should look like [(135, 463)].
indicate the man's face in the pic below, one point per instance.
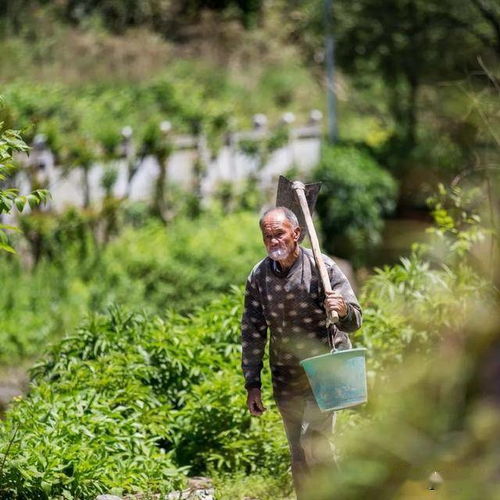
[(279, 236)]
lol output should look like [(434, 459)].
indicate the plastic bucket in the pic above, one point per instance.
[(338, 379)]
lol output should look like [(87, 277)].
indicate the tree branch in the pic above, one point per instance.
[(466, 26), (490, 16)]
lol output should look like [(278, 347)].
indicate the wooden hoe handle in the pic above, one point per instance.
[(299, 189)]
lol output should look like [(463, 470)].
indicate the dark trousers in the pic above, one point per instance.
[(309, 431)]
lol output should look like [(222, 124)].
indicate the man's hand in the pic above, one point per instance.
[(254, 402), (335, 302)]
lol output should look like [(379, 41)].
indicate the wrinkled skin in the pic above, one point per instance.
[(254, 402), (279, 234)]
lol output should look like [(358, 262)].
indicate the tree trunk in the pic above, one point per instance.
[(395, 101), (159, 208), (411, 111), (412, 69), (86, 187)]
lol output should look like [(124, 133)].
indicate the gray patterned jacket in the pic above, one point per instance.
[(290, 305)]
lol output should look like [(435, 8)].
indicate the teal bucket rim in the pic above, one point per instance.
[(345, 351)]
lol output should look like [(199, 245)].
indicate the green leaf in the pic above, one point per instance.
[(20, 201), (10, 228), (33, 200), (7, 248)]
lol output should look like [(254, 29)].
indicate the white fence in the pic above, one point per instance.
[(230, 164)]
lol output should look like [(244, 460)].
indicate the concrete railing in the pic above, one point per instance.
[(137, 176)]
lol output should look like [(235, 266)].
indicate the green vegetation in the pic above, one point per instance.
[(117, 15), (394, 61), (85, 122), (435, 289), (147, 388), (355, 196), (130, 403), (430, 326), (10, 199), (408, 45), (132, 392), (151, 268), (264, 487)]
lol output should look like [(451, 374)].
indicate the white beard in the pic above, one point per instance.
[(278, 254)]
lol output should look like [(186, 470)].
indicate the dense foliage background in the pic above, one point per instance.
[(133, 392), (153, 397), (145, 269), (127, 314)]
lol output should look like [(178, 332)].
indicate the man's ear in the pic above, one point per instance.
[(296, 234)]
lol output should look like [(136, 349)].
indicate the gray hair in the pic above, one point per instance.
[(289, 215)]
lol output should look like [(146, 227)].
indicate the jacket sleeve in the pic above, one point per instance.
[(253, 335), (352, 321)]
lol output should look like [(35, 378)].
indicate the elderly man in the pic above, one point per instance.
[(284, 294)]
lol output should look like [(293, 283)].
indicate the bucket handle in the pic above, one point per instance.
[(331, 338)]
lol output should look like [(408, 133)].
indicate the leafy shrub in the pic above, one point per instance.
[(98, 112), (11, 143), (431, 328), (185, 265), (92, 417), (153, 268), (213, 430), (283, 83), (131, 403), (407, 306), (355, 196), (458, 222)]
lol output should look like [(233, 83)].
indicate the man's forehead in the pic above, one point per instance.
[(275, 219)]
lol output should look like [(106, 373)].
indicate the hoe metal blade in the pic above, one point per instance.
[(287, 197)]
